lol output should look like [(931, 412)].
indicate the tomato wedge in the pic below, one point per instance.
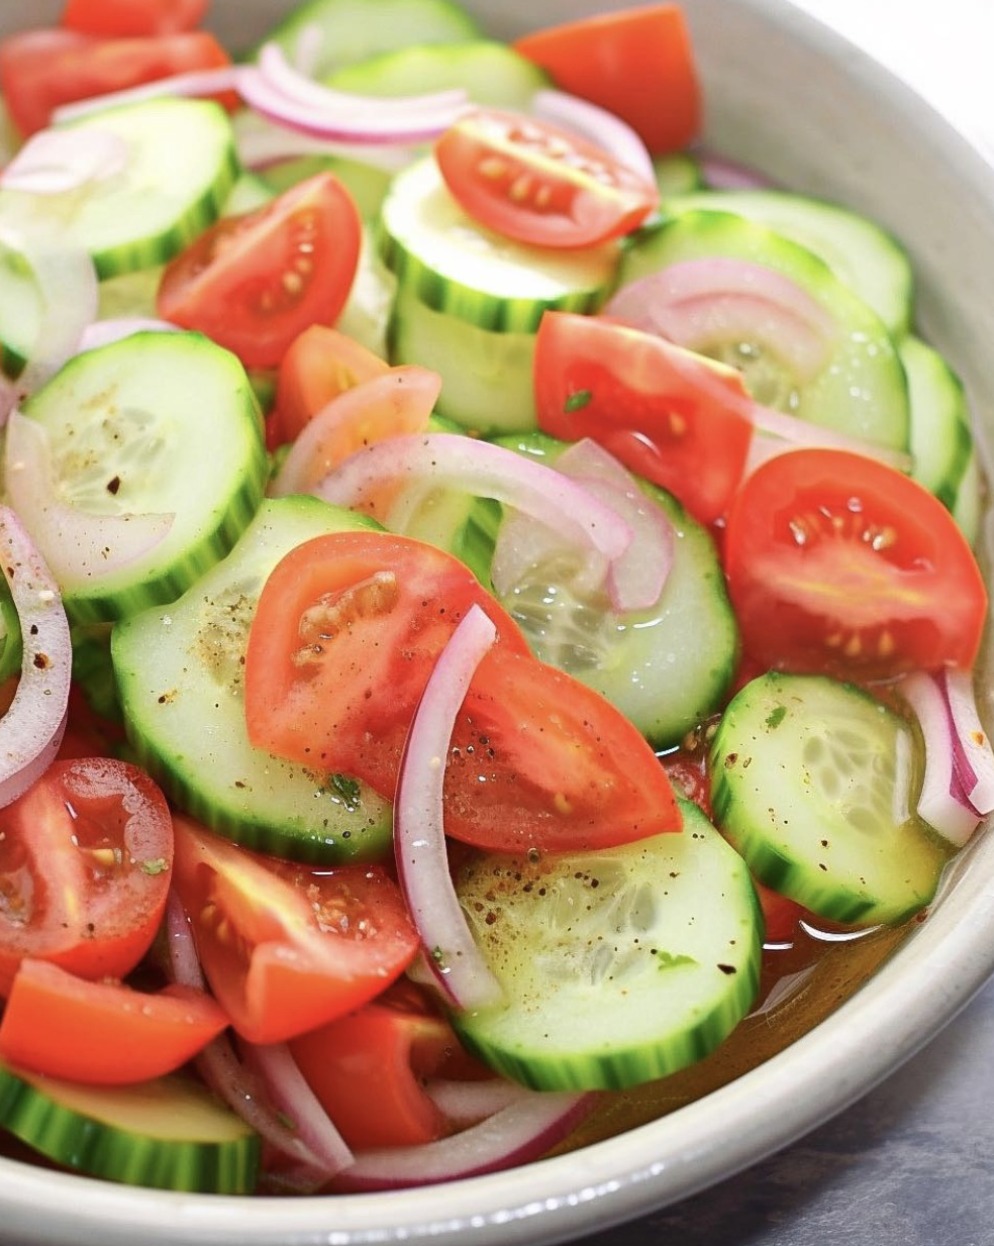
[(133, 17), (348, 629), (42, 69), (255, 282), (319, 365), (85, 861), (538, 184), (287, 948), (637, 63), (102, 1033), (839, 563), (670, 415)]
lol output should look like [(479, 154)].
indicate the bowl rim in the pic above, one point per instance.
[(942, 964)]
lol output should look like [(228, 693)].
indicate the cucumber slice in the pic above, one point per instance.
[(492, 73), (179, 672), (941, 440), (170, 1133), (181, 167), (667, 668), (814, 782), (456, 266), (11, 641), (21, 311), (352, 30), (487, 384), (618, 966), (861, 388), (859, 251), (154, 423), (677, 173)]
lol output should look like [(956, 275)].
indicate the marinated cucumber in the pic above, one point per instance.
[(170, 1133), (11, 645), (492, 73), (941, 439), (179, 671), (158, 423), (815, 783), (21, 310), (666, 668), (343, 31), (487, 384), (677, 173), (859, 251), (181, 166), (617, 966), (455, 266), (859, 388)]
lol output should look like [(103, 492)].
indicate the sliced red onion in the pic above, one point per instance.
[(419, 831), (104, 332), (721, 173), (292, 1098), (973, 757), (307, 49), (695, 302), (261, 143), (598, 126), (79, 546), (452, 461), (523, 1131), (69, 295), (198, 83), (401, 399), (32, 728), (943, 802), (223, 1070), (53, 161), (637, 577), (466, 1103), (777, 433)]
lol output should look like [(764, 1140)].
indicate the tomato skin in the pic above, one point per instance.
[(368, 1068), (102, 1033), (120, 18), (85, 858), (639, 396), (538, 184), (537, 759), (287, 948), (781, 915), (255, 282), (837, 563), (40, 70), (320, 364), (637, 63)]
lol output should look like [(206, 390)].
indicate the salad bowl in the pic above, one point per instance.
[(792, 98)]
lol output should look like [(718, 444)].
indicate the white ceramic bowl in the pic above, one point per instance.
[(788, 95)]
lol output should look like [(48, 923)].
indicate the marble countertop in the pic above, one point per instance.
[(912, 1163)]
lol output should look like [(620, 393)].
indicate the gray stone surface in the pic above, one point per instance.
[(911, 1164)]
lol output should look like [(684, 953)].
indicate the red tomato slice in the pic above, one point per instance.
[(346, 633), (255, 282), (286, 947), (85, 861), (838, 563), (668, 414), (319, 365), (368, 1070), (119, 18), (102, 1033), (535, 183), (637, 63), (43, 69), (780, 914)]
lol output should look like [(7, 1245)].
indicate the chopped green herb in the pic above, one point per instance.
[(577, 401), (156, 866), (346, 789), (776, 717)]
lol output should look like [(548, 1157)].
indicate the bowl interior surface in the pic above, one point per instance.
[(789, 96)]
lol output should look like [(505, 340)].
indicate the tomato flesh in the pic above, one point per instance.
[(40, 70), (85, 862), (132, 17), (102, 1033), (287, 948), (347, 631), (838, 563), (255, 282), (669, 415), (538, 184)]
